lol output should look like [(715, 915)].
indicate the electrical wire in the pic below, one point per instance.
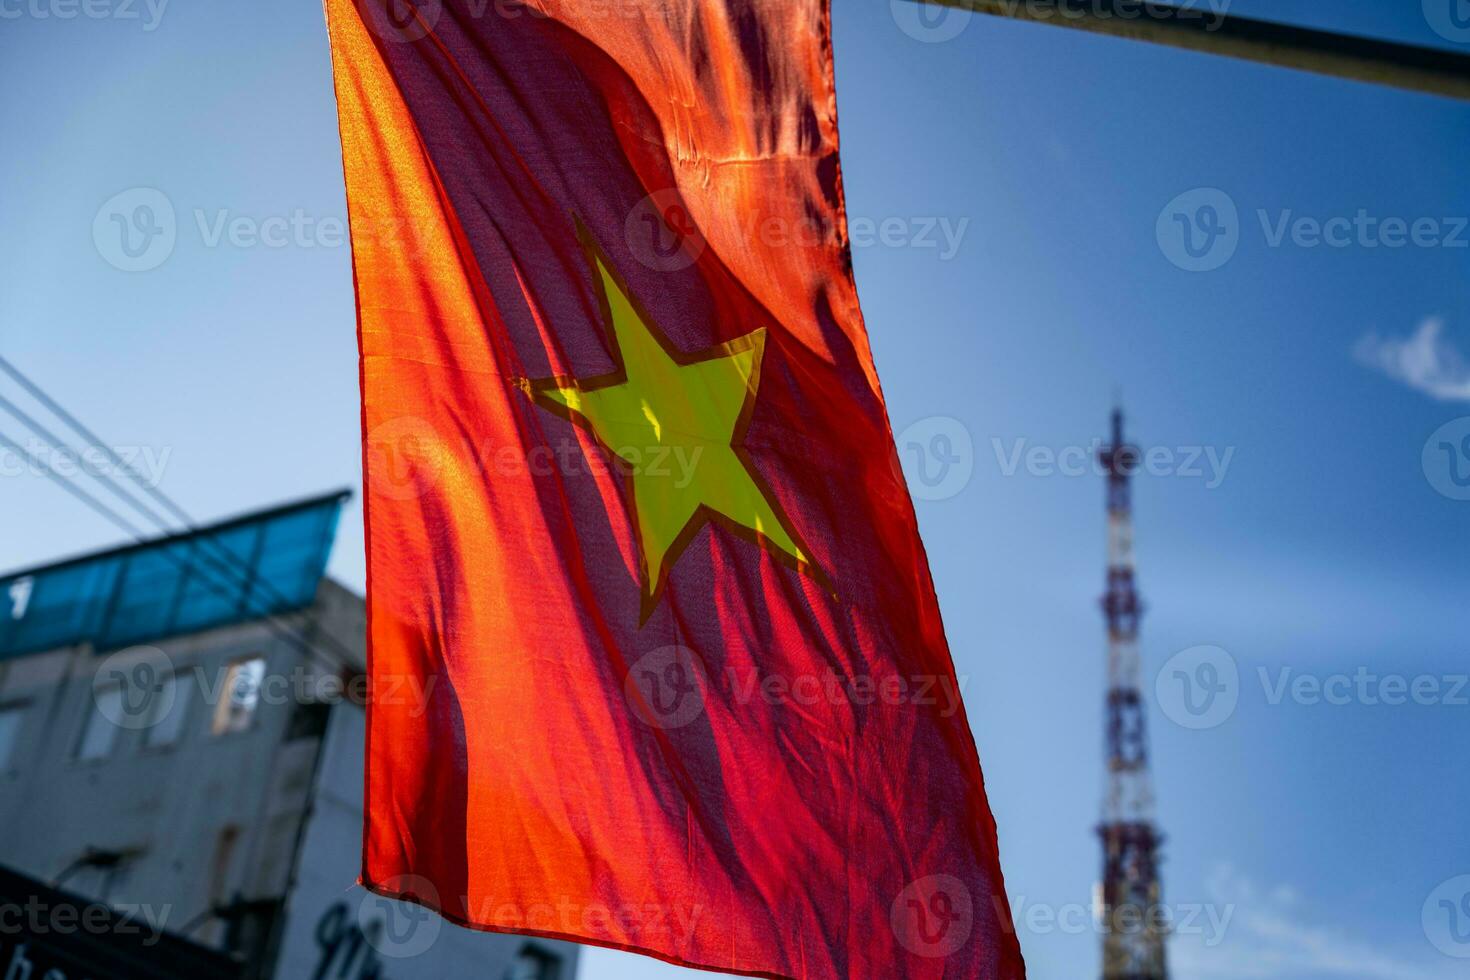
[(232, 562)]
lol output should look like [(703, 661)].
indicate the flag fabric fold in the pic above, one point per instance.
[(635, 520)]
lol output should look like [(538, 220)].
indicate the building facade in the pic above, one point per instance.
[(181, 743)]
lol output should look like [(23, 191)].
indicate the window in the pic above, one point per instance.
[(100, 734), (309, 720), (11, 715), (236, 709), (167, 713)]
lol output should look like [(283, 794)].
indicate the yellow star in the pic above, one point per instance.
[(676, 421)]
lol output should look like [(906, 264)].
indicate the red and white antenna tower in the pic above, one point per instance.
[(1130, 893)]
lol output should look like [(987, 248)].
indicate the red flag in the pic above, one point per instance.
[(634, 512)]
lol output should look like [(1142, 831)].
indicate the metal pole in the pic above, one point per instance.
[(1199, 27)]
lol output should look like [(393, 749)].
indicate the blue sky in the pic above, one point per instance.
[(1315, 832)]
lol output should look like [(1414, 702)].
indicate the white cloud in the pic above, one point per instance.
[(1425, 361), (1271, 938)]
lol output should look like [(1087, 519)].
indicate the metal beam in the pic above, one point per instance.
[(1200, 27)]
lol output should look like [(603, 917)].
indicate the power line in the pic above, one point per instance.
[(70, 487), (232, 564), (55, 408), (56, 443), (231, 569)]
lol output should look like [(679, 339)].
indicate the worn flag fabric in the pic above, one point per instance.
[(636, 525)]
